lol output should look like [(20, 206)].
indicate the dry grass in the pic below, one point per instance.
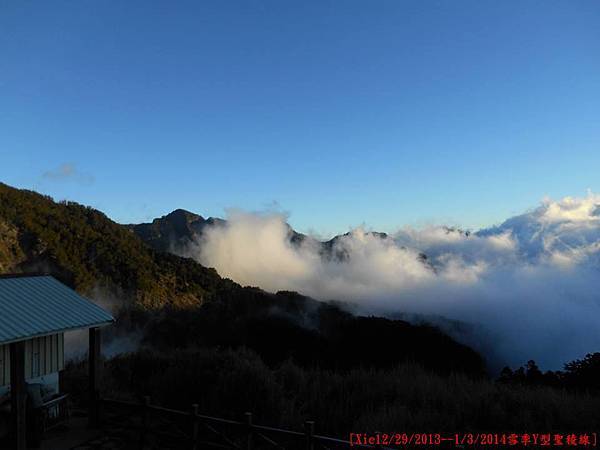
[(408, 398)]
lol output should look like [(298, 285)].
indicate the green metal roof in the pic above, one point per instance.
[(33, 306)]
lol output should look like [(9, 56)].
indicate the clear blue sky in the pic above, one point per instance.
[(382, 112)]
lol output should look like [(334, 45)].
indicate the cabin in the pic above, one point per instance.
[(35, 314)]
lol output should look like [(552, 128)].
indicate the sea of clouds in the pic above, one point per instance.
[(530, 286)]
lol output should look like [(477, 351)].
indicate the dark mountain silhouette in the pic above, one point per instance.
[(86, 250), (179, 303), (177, 230)]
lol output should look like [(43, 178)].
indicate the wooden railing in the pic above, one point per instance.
[(54, 412), (159, 427)]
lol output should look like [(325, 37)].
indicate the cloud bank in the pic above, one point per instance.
[(531, 284)]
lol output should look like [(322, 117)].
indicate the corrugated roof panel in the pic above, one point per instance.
[(35, 306)]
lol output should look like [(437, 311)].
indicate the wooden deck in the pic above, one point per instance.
[(77, 435), (127, 425)]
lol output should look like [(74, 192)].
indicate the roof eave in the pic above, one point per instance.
[(62, 330)]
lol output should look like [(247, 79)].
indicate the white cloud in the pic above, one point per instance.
[(533, 282)]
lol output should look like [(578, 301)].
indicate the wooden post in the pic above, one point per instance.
[(144, 427), (249, 442), (18, 394), (195, 429), (309, 429), (61, 381), (94, 358)]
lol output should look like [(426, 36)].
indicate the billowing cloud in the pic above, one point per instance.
[(531, 285)]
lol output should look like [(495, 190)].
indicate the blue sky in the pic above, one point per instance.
[(341, 113)]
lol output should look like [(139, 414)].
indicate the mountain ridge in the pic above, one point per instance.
[(177, 302), (176, 231), (86, 250)]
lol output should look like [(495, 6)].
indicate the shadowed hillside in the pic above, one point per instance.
[(173, 232), (407, 397), (178, 303), (87, 250)]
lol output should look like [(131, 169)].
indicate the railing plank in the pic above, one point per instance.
[(251, 430)]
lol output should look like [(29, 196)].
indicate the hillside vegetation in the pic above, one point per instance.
[(407, 397), (178, 303), (284, 356), (86, 250)]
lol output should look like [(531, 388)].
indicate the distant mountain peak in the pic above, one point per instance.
[(172, 232), (182, 214)]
